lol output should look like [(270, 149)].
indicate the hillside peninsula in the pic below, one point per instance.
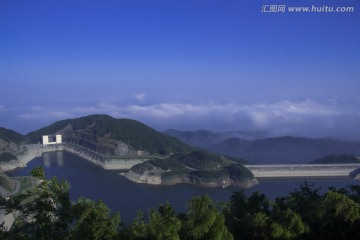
[(140, 152)]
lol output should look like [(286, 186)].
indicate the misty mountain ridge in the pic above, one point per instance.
[(342, 158), (270, 150), (203, 138), (120, 137)]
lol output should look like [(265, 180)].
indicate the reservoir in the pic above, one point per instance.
[(90, 181)]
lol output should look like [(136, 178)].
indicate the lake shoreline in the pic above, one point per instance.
[(31, 151), (120, 194)]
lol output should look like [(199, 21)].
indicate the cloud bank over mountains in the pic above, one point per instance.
[(309, 117)]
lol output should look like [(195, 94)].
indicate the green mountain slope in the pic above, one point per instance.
[(9, 144), (108, 135), (11, 136), (197, 167), (201, 160)]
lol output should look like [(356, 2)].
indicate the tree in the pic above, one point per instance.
[(163, 224), (288, 224), (204, 221), (248, 218), (235, 212), (340, 217), (258, 203), (306, 201), (355, 193), (46, 212), (338, 205), (137, 230), (93, 220), (43, 212), (258, 226), (38, 172)]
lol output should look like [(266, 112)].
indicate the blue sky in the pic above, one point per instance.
[(189, 64)]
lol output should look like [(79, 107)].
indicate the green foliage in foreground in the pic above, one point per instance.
[(38, 172), (305, 213)]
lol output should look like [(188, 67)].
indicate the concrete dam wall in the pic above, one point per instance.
[(304, 170), (106, 162), (30, 151)]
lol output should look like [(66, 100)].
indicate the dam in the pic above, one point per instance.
[(31, 151), (259, 171), (304, 170), (106, 162)]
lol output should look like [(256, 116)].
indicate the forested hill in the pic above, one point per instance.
[(111, 136), (8, 136), (198, 167), (9, 144)]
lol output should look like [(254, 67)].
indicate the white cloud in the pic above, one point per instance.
[(283, 117), (260, 113), (36, 108), (140, 97), (48, 115), (260, 118), (167, 110)]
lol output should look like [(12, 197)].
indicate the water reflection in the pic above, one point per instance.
[(60, 158), (50, 159), (46, 158)]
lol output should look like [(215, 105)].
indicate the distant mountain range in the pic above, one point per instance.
[(266, 150), (202, 157), (125, 137), (206, 138), (341, 158)]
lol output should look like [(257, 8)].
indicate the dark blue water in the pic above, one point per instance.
[(90, 181)]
